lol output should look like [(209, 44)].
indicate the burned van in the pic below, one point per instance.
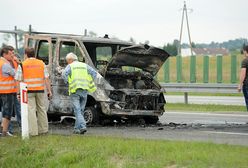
[(125, 82)]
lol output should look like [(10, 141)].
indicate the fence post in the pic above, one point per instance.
[(179, 68), (205, 69), (167, 71), (186, 98), (219, 68), (193, 69), (233, 68)]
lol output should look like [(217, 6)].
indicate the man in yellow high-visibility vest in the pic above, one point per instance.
[(80, 77)]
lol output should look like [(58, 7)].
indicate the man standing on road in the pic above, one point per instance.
[(80, 78), (34, 73), (244, 76), (17, 107), (7, 87)]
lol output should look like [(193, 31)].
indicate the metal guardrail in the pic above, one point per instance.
[(199, 88)]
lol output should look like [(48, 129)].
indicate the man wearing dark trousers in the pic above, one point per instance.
[(7, 87), (244, 76)]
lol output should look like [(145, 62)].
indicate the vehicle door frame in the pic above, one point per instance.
[(36, 39)]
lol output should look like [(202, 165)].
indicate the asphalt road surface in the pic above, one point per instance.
[(216, 128), (204, 118), (222, 100)]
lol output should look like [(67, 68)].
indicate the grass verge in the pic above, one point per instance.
[(205, 94), (107, 152), (204, 107)]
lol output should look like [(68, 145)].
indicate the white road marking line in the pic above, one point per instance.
[(228, 133), (209, 114)]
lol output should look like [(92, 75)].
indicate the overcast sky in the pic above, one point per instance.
[(155, 20)]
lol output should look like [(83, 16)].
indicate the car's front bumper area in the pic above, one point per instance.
[(135, 103)]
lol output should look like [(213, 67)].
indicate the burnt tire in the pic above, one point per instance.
[(151, 119), (91, 116)]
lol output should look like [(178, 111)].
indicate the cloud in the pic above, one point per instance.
[(157, 21)]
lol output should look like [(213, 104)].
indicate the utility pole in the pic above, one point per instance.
[(16, 40), (185, 13)]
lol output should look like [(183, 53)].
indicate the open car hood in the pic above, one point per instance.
[(149, 59)]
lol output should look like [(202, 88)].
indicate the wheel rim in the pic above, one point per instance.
[(88, 116)]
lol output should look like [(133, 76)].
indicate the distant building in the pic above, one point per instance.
[(204, 51)]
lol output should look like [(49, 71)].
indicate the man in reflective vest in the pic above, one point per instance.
[(17, 107), (7, 87), (80, 78), (34, 73), (17, 62)]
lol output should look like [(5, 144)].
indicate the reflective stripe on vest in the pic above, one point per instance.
[(34, 80), (5, 88), (7, 84), (79, 78), (33, 74)]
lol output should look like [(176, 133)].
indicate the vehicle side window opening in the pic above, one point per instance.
[(43, 51), (67, 47)]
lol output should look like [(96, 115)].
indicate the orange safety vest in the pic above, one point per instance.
[(15, 66), (33, 74), (7, 84)]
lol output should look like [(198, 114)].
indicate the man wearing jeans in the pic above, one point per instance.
[(80, 78)]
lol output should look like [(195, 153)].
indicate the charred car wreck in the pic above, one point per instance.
[(125, 82), (135, 91)]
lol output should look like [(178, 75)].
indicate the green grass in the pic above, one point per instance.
[(108, 152), (204, 107), (206, 94)]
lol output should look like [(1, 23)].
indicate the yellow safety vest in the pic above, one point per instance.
[(80, 79)]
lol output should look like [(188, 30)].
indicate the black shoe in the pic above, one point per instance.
[(83, 131), (10, 134)]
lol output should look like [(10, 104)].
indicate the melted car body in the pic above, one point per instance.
[(125, 82)]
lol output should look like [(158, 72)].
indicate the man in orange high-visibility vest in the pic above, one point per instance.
[(17, 106), (34, 73), (7, 87)]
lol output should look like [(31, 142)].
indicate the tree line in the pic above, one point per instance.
[(231, 45)]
